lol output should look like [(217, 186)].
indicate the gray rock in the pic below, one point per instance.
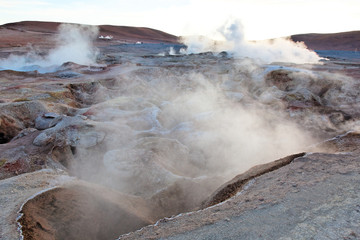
[(47, 120), (24, 133), (65, 132), (43, 139)]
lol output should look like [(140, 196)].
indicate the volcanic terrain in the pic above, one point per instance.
[(111, 132)]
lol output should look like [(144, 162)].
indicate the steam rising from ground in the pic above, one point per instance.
[(167, 125), (172, 129), (73, 44), (267, 51)]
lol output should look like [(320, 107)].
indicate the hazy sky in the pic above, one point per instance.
[(261, 18)]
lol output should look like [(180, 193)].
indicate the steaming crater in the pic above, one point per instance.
[(167, 125), (169, 132)]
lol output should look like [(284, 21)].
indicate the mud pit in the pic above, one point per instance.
[(149, 135), (80, 212)]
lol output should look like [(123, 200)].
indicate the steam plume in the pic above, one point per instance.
[(267, 51), (73, 44), (170, 125)]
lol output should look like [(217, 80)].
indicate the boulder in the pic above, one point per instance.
[(47, 120)]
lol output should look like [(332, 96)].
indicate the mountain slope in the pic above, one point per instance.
[(347, 41), (21, 33)]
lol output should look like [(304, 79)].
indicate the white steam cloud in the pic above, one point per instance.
[(267, 51), (74, 43), (169, 125)]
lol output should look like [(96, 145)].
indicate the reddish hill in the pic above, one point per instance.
[(347, 41), (33, 26), (40, 33), (139, 33)]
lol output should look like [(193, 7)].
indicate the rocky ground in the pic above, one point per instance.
[(97, 151), (314, 196)]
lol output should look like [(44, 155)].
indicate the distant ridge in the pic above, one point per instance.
[(38, 32), (346, 41), (123, 33)]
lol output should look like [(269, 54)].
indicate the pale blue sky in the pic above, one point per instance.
[(261, 18)]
